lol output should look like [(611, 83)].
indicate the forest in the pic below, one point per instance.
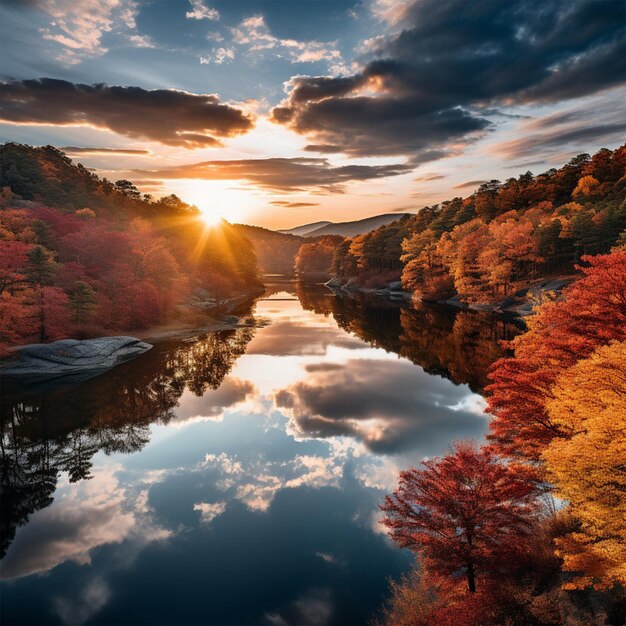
[(531, 527), (502, 238), (82, 256)]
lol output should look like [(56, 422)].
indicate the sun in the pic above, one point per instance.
[(211, 217), (216, 199)]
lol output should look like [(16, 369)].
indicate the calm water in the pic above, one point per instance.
[(235, 478)]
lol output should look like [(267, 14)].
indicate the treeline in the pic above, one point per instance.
[(501, 238), (119, 263), (46, 176), (315, 256), (492, 548)]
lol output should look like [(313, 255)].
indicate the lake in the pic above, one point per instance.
[(235, 478)]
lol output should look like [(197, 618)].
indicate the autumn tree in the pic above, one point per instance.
[(591, 313), (316, 257), (588, 465), (425, 272), (467, 512), (82, 299), (47, 301)]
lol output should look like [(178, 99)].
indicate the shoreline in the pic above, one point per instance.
[(520, 304)]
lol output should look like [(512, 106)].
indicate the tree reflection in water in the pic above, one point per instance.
[(459, 345), (60, 430)]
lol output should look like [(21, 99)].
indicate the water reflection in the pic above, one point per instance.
[(235, 478), (50, 432)]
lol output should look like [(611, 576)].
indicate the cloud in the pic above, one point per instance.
[(209, 510), (525, 164), (390, 406), (469, 183), (558, 139), (424, 178), (254, 33), (293, 205), (218, 57), (78, 27), (256, 481), (201, 11), (170, 117), (281, 174), (84, 604), (314, 608), (429, 89), (83, 516), (148, 184), (212, 404), (87, 150)]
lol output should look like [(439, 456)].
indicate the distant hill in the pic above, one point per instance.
[(275, 251), (304, 230), (356, 227)]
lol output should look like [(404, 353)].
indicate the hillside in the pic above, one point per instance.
[(503, 238), (275, 251), (46, 176), (305, 229), (81, 257)]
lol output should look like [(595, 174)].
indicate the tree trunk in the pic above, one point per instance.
[(42, 317), (471, 581)]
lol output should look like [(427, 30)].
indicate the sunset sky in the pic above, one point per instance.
[(283, 112)]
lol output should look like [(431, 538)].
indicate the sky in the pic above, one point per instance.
[(284, 112)]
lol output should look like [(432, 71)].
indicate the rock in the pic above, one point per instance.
[(200, 294), (396, 285), (230, 319), (72, 358), (333, 283)]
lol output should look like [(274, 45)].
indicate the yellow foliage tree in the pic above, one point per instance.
[(589, 466), (587, 186)]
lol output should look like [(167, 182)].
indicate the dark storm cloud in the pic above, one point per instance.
[(127, 151), (429, 89), (280, 174), (389, 405), (174, 118)]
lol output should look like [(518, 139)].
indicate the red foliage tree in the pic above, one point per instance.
[(467, 511), (591, 314), (13, 256)]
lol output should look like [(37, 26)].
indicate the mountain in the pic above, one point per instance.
[(304, 230), (351, 229)]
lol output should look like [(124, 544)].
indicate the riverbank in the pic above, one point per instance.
[(520, 303)]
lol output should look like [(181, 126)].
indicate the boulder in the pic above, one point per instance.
[(396, 285), (334, 283), (78, 359)]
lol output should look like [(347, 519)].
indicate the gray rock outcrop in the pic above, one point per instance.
[(73, 358)]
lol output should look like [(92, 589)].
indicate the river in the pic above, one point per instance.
[(235, 478)]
